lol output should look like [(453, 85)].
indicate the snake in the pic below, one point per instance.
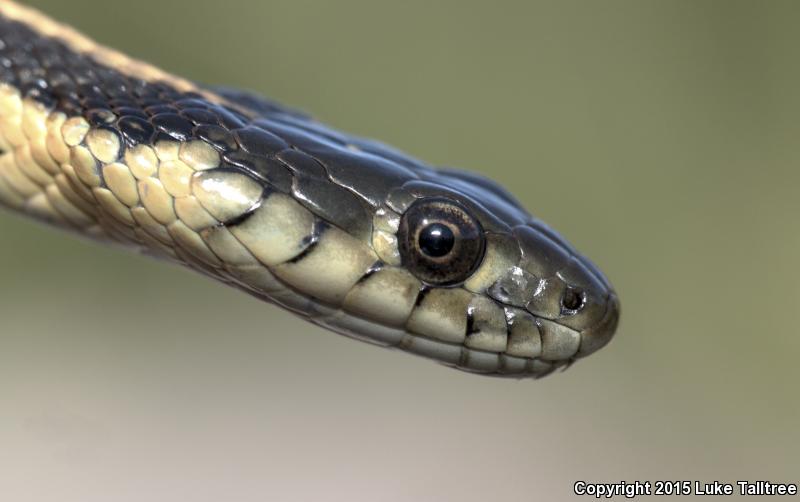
[(346, 232)]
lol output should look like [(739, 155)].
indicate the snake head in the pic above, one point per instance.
[(530, 301), (346, 232)]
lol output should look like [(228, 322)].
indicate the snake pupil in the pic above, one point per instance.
[(436, 240)]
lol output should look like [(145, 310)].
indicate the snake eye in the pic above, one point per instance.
[(440, 241)]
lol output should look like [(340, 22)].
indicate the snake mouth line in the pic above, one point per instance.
[(451, 354), (448, 353)]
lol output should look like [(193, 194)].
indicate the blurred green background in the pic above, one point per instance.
[(661, 137)]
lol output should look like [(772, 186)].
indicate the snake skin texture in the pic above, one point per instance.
[(270, 201)]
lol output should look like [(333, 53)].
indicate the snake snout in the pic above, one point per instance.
[(575, 307), (588, 304), (599, 334)]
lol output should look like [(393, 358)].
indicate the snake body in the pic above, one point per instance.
[(346, 232)]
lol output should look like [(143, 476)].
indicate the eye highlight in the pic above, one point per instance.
[(440, 241)]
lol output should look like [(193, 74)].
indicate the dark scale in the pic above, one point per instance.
[(349, 211), (135, 129), (146, 100), (258, 141), (219, 137), (130, 111), (122, 102), (159, 108), (198, 116), (263, 168), (96, 103), (193, 101), (300, 162), (228, 119), (173, 125)]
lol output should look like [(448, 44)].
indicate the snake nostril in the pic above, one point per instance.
[(572, 301)]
